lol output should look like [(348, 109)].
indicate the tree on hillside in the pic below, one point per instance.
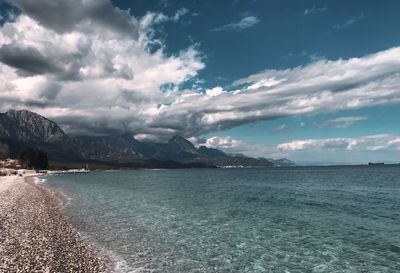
[(4, 151), (34, 158)]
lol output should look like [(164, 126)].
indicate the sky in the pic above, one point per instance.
[(314, 81)]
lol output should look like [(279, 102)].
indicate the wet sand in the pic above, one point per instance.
[(34, 234)]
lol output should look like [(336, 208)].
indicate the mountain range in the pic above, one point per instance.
[(22, 129)]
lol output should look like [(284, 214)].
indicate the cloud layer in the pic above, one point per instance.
[(97, 71), (320, 87), (341, 122), (383, 142), (368, 148)]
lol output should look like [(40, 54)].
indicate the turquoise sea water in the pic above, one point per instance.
[(322, 219)]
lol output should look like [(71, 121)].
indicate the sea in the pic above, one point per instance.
[(299, 219)]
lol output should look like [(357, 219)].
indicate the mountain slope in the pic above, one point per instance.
[(210, 152), (30, 127), (178, 149), (119, 143)]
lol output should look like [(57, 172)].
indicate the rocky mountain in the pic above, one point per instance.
[(29, 127), (123, 143), (22, 129)]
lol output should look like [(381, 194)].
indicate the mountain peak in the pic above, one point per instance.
[(24, 112), (181, 141), (182, 144), (177, 138)]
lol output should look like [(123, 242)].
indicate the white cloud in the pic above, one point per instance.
[(233, 146), (383, 142), (348, 22), (244, 23), (280, 128), (104, 77), (323, 150), (320, 87), (153, 18), (179, 13), (341, 122), (314, 9), (224, 143), (215, 91), (314, 144)]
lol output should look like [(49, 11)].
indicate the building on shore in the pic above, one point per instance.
[(10, 163)]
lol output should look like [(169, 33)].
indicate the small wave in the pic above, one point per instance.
[(117, 264), (40, 180), (120, 265), (66, 199)]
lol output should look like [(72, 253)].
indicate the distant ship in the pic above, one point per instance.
[(376, 164)]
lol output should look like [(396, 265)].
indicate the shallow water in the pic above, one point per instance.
[(321, 219)]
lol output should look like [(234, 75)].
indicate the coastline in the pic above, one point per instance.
[(35, 236)]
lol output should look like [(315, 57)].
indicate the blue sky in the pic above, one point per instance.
[(288, 34), (222, 73)]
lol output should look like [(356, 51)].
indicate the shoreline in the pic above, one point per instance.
[(35, 236)]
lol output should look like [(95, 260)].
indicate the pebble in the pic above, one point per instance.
[(36, 237)]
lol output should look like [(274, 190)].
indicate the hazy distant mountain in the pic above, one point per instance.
[(283, 162), (210, 152), (22, 129)]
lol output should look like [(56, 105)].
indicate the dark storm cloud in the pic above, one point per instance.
[(28, 61), (132, 96), (81, 124), (51, 91), (64, 16)]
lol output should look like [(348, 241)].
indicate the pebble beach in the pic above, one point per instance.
[(34, 234)]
